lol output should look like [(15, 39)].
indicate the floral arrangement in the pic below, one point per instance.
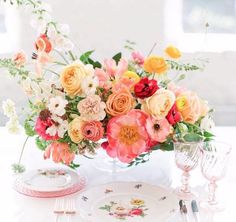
[(128, 106)]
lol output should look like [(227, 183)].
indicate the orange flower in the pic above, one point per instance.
[(60, 152), (173, 52), (120, 103), (43, 44), (155, 64)]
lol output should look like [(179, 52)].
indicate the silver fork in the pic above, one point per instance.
[(59, 208), (70, 209)]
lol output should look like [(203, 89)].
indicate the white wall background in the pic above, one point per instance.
[(104, 25)]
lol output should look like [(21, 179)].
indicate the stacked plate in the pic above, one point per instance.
[(49, 182), (127, 201)]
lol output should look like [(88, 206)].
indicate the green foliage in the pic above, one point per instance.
[(13, 69), (41, 143), (117, 57), (183, 67), (86, 59), (29, 128), (74, 165)]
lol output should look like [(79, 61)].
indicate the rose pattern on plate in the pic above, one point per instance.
[(122, 211)]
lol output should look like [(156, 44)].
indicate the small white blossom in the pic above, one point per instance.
[(207, 123), (89, 85), (64, 29), (57, 105), (59, 127), (13, 125), (8, 107)]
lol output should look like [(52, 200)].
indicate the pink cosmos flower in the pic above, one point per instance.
[(127, 136), (60, 153), (137, 57), (41, 127), (158, 130)]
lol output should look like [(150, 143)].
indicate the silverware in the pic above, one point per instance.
[(70, 209), (195, 211), (59, 208), (183, 211)]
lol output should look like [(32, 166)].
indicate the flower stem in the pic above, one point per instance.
[(23, 148)]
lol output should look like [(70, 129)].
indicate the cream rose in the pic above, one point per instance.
[(72, 77), (74, 130), (159, 104)]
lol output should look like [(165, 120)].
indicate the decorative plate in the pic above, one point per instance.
[(127, 201), (50, 182)]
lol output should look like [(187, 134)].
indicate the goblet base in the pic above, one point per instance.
[(185, 195), (212, 207)]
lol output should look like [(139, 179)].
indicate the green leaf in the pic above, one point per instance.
[(192, 137), (208, 134), (117, 57), (84, 57)]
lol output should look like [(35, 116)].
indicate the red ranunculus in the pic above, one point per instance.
[(145, 88), (136, 212), (173, 116), (43, 44)]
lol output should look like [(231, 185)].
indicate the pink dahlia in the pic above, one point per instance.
[(127, 136)]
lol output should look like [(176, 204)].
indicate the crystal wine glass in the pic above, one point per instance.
[(187, 156), (215, 156)]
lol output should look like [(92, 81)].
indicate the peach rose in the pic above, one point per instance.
[(173, 52), (120, 103), (204, 108), (71, 78), (74, 130), (92, 130), (159, 104), (189, 105), (155, 64)]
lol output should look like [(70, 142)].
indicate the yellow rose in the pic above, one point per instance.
[(189, 105), (173, 52), (155, 64), (74, 130), (71, 78), (159, 104), (137, 202)]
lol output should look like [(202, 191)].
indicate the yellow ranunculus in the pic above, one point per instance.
[(71, 78), (155, 64), (173, 52), (131, 75), (74, 130)]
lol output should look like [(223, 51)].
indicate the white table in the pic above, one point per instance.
[(160, 170)]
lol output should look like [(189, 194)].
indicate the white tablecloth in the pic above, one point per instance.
[(160, 170)]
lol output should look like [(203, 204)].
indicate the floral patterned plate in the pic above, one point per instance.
[(127, 201), (48, 180)]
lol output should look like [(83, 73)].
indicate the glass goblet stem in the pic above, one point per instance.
[(185, 182), (212, 192)]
